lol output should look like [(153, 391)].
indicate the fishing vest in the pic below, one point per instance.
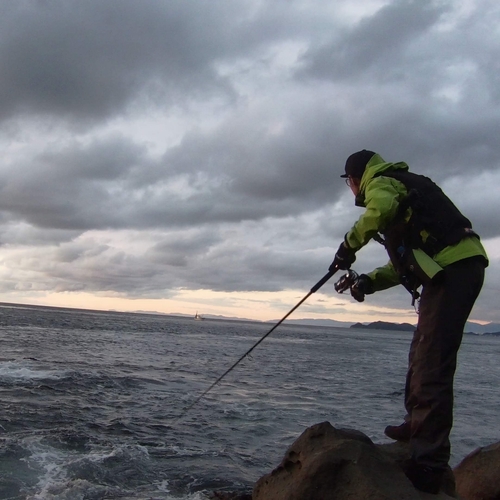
[(435, 222)]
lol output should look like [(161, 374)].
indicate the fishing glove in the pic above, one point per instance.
[(344, 258), (362, 287)]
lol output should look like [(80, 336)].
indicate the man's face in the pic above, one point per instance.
[(353, 183)]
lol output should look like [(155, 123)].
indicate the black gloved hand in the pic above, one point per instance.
[(344, 258), (362, 287)]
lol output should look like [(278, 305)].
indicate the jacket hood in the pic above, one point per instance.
[(375, 167)]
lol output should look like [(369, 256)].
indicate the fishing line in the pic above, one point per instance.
[(314, 289)]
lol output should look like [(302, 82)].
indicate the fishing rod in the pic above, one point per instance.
[(314, 289)]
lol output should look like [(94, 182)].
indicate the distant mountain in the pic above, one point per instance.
[(229, 318), (316, 322), (384, 325), (472, 327)]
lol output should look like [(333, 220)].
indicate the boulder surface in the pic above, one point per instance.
[(478, 475), (325, 463)]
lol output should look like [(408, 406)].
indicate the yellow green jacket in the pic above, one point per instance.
[(381, 196)]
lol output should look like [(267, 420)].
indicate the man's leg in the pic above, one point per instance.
[(444, 309), (402, 432)]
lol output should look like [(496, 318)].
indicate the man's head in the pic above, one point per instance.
[(356, 164), (355, 168)]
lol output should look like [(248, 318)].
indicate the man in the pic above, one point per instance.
[(430, 244)]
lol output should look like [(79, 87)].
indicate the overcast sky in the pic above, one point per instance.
[(183, 156)]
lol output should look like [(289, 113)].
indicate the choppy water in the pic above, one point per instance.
[(89, 400)]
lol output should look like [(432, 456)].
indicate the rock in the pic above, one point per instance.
[(400, 453), (325, 463), (478, 475)]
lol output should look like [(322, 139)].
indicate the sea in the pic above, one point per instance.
[(93, 403)]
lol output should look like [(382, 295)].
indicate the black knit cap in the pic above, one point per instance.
[(356, 164)]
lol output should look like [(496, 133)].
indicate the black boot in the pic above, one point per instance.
[(424, 478), (399, 432)]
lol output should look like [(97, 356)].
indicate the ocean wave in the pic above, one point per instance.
[(15, 370)]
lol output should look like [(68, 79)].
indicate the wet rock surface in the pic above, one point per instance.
[(478, 474), (326, 463)]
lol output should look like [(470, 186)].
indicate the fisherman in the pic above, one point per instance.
[(432, 245)]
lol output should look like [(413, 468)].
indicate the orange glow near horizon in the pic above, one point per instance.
[(257, 306)]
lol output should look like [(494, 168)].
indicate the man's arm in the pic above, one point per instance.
[(384, 277), (382, 197)]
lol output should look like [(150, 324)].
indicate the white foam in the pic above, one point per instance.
[(22, 371), (53, 464), (187, 452), (54, 482), (195, 496)]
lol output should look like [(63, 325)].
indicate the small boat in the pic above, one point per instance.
[(197, 317)]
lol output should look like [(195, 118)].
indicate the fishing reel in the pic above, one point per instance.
[(347, 281)]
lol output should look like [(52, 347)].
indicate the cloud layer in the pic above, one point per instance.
[(153, 147)]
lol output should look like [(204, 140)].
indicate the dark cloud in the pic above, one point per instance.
[(221, 177), (418, 89), (70, 188), (377, 45), (89, 60)]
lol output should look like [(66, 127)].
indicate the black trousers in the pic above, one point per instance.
[(444, 309)]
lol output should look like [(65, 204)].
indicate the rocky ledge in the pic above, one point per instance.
[(326, 463)]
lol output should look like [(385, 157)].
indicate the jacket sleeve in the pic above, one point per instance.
[(384, 277), (382, 196)]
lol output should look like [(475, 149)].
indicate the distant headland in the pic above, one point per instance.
[(384, 325)]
